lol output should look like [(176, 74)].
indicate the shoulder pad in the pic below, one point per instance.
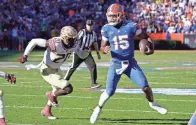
[(51, 43)]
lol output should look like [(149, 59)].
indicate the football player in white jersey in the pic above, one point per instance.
[(58, 49), (10, 78)]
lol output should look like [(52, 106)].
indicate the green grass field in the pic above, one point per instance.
[(173, 69)]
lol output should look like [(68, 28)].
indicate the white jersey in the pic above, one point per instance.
[(55, 54)]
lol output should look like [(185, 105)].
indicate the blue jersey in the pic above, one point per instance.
[(121, 40), (122, 51)]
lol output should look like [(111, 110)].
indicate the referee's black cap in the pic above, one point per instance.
[(89, 22)]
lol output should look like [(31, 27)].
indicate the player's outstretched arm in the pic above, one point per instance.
[(34, 42), (9, 77), (143, 35), (104, 47)]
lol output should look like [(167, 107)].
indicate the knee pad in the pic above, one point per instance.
[(1, 92)]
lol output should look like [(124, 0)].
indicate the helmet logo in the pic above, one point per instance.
[(115, 14)]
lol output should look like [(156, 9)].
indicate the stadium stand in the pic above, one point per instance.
[(22, 20)]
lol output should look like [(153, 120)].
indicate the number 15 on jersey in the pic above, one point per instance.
[(121, 42)]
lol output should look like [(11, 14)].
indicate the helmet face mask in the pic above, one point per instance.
[(70, 42), (115, 14), (113, 19)]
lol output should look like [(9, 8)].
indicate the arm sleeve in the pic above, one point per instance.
[(2, 74), (33, 43)]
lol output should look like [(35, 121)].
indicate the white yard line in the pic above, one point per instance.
[(27, 86), (88, 108), (160, 77), (173, 83), (170, 73), (21, 124), (101, 81), (113, 98)]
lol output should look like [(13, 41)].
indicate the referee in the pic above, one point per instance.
[(86, 38)]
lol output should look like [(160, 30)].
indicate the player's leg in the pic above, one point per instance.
[(2, 109), (55, 78), (90, 62), (59, 85), (52, 99), (137, 76), (112, 81), (192, 121), (76, 61), (47, 110)]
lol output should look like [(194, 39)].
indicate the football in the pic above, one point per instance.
[(143, 46)]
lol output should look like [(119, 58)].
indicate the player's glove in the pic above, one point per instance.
[(10, 78), (23, 59)]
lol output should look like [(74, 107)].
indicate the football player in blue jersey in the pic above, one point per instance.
[(118, 38)]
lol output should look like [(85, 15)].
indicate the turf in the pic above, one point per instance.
[(25, 100)]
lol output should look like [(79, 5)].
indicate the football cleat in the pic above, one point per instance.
[(93, 86), (158, 108), (95, 115), (2, 121), (47, 112), (52, 99)]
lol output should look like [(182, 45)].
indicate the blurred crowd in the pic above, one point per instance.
[(22, 20), (177, 16)]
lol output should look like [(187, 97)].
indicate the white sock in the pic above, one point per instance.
[(49, 103), (103, 98), (151, 103), (2, 107), (54, 89)]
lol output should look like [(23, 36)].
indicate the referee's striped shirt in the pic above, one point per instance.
[(86, 39)]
